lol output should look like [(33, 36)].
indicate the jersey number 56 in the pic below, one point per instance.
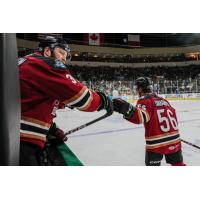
[(168, 119)]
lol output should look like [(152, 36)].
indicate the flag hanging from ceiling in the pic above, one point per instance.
[(94, 38), (134, 40)]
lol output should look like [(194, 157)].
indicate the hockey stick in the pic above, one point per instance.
[(87, 124), (189, 143)]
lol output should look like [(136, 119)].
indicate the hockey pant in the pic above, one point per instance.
[(154, 159)]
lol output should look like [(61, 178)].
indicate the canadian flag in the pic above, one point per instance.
[(94, 38), (134, 40)]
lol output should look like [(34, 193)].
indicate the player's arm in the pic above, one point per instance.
[(141, 113), (60, 84), (85, 99)]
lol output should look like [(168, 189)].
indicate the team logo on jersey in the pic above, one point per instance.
[(73, 80), (173, 147), (21, 60), (143, 107)]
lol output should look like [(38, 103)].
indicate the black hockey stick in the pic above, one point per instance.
[(87, 124), (189, 143)]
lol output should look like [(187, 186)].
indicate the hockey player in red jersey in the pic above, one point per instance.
[(46, 84), (160, 122)]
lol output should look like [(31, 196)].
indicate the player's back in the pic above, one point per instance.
[(161, 130)]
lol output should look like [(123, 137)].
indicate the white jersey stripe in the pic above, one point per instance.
[(32, 133), (34, 124)]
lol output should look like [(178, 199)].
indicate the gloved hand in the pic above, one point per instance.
[(56, 135), (123, 107), (106, 103)]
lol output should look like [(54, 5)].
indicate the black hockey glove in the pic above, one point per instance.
[(106, 103), (123, 107), (56, 135)]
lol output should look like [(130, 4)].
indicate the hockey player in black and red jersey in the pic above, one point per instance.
[(46, 85), (160, 122)]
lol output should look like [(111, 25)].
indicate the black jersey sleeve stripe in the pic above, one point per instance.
[(144, 117), (26, 127), (82, 101)]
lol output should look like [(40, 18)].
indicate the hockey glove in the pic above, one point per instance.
[(56, 135), (106, 103), (123, 107)]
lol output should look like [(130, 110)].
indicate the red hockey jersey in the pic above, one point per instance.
[(46, 84), (160, 122)]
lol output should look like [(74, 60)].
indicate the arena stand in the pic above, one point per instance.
[(173, 82), (174, 72)]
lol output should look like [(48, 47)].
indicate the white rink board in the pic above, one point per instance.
[(117, 142)]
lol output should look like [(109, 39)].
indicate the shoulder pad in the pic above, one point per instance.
[(51, 62), (149, 96), (21, 60)]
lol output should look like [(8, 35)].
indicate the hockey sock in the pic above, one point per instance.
[(178, 164)]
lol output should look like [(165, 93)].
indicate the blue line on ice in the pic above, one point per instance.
[(126, 129)]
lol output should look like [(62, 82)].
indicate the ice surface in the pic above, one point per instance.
[(117, 142)]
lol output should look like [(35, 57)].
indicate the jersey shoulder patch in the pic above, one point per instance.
[(21, 60), (59, 64)]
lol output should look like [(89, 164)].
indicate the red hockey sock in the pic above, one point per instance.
[(178, 164)]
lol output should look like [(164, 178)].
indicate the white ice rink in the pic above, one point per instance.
[(117, 142)]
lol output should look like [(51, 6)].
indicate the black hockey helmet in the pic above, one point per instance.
[(53, 42), (143, 83)]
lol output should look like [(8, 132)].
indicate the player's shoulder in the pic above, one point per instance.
[(54, 63), (146, 100), (146, 97), (24, 59), (143, 100), (21, 61), (168, 103), (150, 97)]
